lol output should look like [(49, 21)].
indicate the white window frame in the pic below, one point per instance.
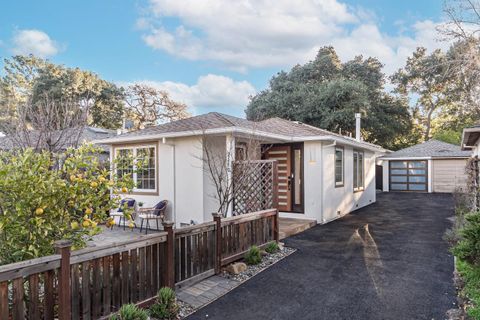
[(134, 154), (342, 182), (360, 170)]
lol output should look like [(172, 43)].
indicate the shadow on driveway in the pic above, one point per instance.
[(385, 261)]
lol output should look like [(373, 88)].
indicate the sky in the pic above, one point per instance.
[(213, 54)]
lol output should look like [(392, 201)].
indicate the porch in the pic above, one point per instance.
[(288, 227)]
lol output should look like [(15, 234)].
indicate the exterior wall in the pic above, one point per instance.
[(179, 179), (189, 180), (338, 201), (210, 199), (313, 175), (447, 175), (386, 175)]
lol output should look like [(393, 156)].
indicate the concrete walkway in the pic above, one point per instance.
[(385, 261)]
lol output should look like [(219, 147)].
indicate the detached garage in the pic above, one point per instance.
[(432, 166)]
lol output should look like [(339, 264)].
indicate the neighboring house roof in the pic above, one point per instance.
[(88, 134), (470, 136), (429, 149), (214, 122)]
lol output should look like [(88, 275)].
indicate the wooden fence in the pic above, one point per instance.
[(94, 282)]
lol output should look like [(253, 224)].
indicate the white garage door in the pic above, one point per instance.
[(447, 175), (408, 176)]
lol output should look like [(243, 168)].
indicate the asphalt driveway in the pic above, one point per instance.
[(385, 261)]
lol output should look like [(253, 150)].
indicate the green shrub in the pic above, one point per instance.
[(272, 247), (468, 248), (166, 307), (253, 255), (43, 200), (471, 290), (130, 312)]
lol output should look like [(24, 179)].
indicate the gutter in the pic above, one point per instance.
[(232, 130), (423, 158)]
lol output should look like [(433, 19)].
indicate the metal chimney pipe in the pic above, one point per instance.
[(358, 118)]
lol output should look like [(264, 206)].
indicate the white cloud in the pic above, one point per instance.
[(34, 42), (266, 33), (210, 92)]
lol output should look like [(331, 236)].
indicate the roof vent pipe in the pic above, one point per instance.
[(358, 117)]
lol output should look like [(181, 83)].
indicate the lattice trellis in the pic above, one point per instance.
[(254, 186)]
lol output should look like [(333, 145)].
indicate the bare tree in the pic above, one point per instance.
[(48, 124), (224, 175), (149, 106), (463, 19)]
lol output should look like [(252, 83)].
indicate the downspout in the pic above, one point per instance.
[(174, 207)]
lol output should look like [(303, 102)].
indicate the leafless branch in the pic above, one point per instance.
[(47, 124), (149, 106)]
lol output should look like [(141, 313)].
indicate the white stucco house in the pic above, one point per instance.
[(431, 166), (321, 175)]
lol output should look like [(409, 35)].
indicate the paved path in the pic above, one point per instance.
[(386, 261), (206, 291)]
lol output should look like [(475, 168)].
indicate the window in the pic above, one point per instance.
[(339, 169), (358, 171), (140, 162)]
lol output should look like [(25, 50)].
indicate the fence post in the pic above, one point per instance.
[(217, 217), (63, 247), (276, 228), (169, 275)]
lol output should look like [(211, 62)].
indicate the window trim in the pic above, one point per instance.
[(340, 183), (134, 147), (362, 187)]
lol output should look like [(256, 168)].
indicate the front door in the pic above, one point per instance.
[(290, 176)]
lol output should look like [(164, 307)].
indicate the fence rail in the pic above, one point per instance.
[(94, 282)]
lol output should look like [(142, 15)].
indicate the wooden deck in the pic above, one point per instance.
[(292, 226)]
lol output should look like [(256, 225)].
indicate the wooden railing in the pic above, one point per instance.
[(239, 233), (94, 282), (194, 253)]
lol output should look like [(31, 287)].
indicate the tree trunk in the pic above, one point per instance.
[(429, 122)]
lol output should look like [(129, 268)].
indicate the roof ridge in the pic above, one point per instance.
[(222, 117)]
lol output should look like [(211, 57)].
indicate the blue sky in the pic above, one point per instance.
[(213, 54)]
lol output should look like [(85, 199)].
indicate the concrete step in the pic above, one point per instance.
[(292, 226)]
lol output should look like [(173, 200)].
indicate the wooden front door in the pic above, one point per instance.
[(283, 154)]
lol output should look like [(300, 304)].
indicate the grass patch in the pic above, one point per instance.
[(471, 290), (272, 247), (253, 256)]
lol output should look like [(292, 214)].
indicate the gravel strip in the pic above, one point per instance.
[(185, 309), (252, 270)]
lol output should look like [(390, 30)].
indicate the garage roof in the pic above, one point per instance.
[(430, 149)]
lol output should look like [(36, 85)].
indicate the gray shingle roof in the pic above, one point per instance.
[(431, 148), (215, 120)]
